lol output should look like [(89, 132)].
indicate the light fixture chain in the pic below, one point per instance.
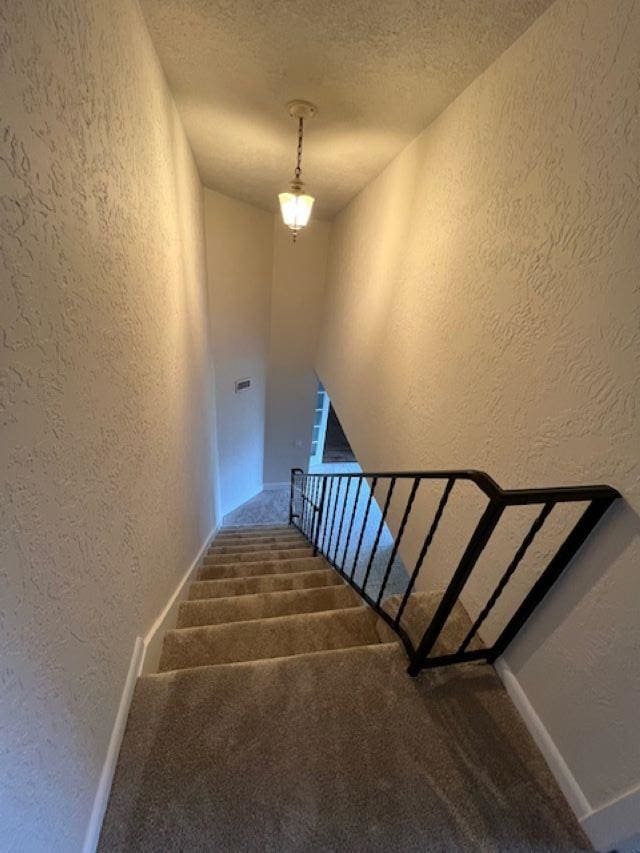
[(299, 157)]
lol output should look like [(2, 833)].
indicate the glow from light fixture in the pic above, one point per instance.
[(296, 205)]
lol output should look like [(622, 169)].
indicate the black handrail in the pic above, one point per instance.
[(314, 509)]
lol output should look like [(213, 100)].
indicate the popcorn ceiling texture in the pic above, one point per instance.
[(106, 406), (378, 71), (483, 291)]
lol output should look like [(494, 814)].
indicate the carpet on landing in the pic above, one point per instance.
[(332, 751), (270, 506)]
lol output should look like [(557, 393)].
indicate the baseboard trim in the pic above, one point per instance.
[(552, 755), (167, 618), (615, 823), (108, 768), (145, 657), (271, 487)]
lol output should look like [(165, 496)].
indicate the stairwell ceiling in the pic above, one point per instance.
[(379, 71)]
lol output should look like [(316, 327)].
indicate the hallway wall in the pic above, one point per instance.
[(265, 300), (297, 297), (483, 291), (239, 266), (108, 455)]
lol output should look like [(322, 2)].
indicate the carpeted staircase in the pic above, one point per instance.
[(298, 605), (282, 719)]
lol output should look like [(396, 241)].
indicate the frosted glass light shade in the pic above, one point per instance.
[(295, 209)]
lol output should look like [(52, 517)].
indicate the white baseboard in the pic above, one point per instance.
[(168, 617), (616, 824), (108, 768), (271, 487), (607, 826), (552, 755), (145, 657)]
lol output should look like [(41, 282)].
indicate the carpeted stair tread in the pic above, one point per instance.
[(260, 531), (182, 677), (269, 566), (247, 530), (265, 534), (253, 556), (224, 587), (258, 540), (331, 751), (252, 548), (417, 616), (217, 611), (268, 638)]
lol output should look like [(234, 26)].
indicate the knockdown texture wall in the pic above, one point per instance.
[(484, 311), (108, 449), (239, 262)]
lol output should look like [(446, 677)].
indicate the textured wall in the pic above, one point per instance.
[(105, 396), (296, 310), (239, 263), (483, 291)]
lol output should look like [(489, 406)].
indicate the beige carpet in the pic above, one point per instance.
[(315, 738), (268, 507)]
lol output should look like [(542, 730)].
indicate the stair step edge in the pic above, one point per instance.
[(258, 560), (332, 579), (250, 566), (274, 593), (296, 602), (289, 616), (189, 671), (252, 619)]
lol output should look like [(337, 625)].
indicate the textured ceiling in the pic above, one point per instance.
[(379, 71)]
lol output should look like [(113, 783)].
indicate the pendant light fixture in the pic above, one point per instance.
[(296, 205)]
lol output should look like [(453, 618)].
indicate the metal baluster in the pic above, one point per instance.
[(302, 504), (574, 541), (396, 544), (328, 510), (374, 483), (506, 577), (309, 482), (344, 508), (425, 547), (353, 516), (333, 517), (481, 535), (314, 517), (323, 496), (293, 473), (378, 534), (309, 521)]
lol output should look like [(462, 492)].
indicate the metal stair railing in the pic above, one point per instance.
[(325, 508)]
